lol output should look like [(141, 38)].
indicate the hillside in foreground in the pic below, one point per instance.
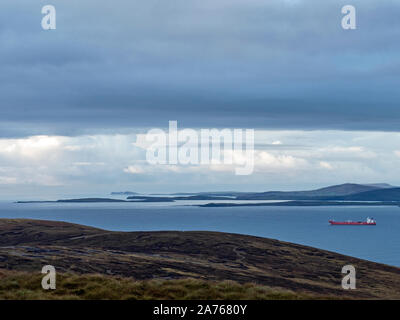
[(208, 259), (25, 286)]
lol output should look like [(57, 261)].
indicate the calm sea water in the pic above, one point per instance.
[(303, 225)]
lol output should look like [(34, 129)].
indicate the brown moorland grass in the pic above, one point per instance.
[(27, 286)]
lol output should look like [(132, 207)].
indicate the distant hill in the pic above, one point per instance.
[(386, 194), (381, 185), (318, 194)]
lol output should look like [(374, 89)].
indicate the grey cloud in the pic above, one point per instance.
[(239, 63)]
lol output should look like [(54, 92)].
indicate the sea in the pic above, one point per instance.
[(303, 225)]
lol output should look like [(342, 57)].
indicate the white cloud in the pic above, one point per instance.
[(87, 164), (104, 161), (134, 170), (31, 147), (325, 165), (269, 161), (351, 150), (73, 148), (8, 180)]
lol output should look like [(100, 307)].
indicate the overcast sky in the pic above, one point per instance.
[(72, 100)]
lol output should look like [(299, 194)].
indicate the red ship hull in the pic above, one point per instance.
[(352, 223)]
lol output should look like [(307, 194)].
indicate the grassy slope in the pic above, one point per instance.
[(26, 286), (274, 267)]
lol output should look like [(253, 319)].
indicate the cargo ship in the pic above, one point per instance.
[(368, 222)]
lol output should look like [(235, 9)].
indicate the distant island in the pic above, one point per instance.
[(343, 194), (98, 200)]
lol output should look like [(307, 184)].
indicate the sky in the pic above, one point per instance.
[(75, 101)]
